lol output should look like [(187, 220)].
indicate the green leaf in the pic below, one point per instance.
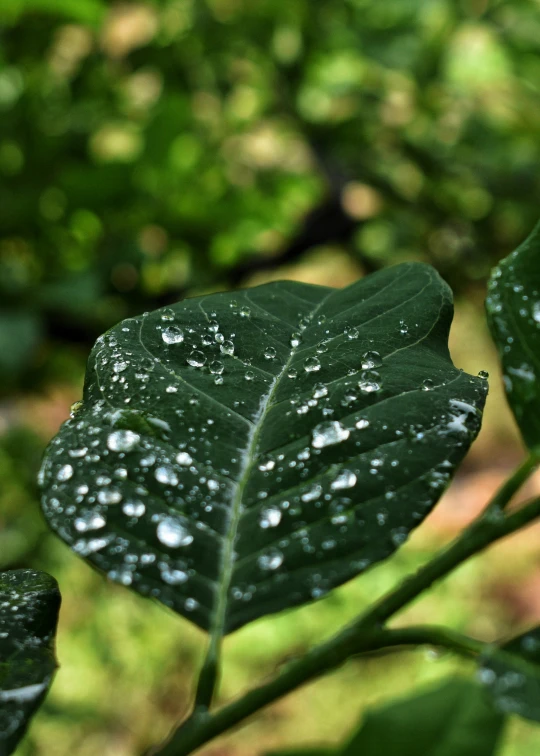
[(513, 307), (453, 719), (511, 675), (304, 752), (29, 605), (246, 452)]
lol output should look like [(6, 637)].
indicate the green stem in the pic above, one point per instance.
[(512, 485), (209, 675), (430, 635), (366, 632)]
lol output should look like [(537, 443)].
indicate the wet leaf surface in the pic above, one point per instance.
[(29, 605), (513, 307), (242, 453)]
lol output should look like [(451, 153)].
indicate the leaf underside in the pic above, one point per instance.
[(29, 605), (245, 452), (513, 307), (453, 719)]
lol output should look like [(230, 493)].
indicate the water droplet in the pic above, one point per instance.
[(109, 496), (171, 576), (172, 335), (536, 312), (171, 389), (361, 424), (270, 353), (65, 472), (122, 440), (245, 312), (427, 384), (295, 340), (89, 521), (312, 364), (78, 453), (167, 314), (313, 493), (166, 475), (271, 560), (371, 360), (483, 374), (266, 465), (172, 534), (345, 479), (133, 508), (216, 367), (326, 434), (196, 358), (227, 347), (250, 375), (398, 536), (319, 390), (120, 366), (270, 518), (369, 381), (184, 459)]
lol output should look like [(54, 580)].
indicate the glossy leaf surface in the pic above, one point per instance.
[(454, 719), (513, 307), (512, 676), (245, 452), (29, 604)]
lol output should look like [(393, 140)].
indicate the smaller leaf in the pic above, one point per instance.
[(453, 719), (29, 605), (511, 675), (513, 308)]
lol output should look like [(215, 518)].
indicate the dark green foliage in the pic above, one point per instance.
[(242, 453), (29, 604), (513, 306)]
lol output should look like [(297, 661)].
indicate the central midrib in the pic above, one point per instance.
[(228, 560)]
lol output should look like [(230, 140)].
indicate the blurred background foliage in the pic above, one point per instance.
[(155, 150)]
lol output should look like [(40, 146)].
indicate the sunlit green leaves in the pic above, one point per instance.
[(513, 306), (245, 452), (29, 604), (511, 675), (453, 719)]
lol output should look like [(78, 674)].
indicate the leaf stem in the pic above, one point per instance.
[(366, 633)]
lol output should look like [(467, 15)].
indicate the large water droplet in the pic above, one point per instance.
[(166, 475), (312, 364), (270, 518), (371, 360), (122, 440), (172, 335), (65, 472), (326, 434), (196, 358), (227, 347), (172, 534), (184, 459), (345, 479)]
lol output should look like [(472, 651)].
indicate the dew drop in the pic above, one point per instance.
[(172, 534), (122, 440), (65, 473), (133, 508), (166, 475), (89, 521), (270, 353), (270, 518), (371, 360), (196, 358), (271, 560), (346, 479), (319, 390), (326, 434), (171, 576), (172, 335), (184, 459), (227, 347), (361, 424), (216, 367), (109, 496), (312, 364)]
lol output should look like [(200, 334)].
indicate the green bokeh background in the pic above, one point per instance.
[(155, 150)]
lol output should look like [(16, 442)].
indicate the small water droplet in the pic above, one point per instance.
[(166, 475), (227, 347), (270, 518), (89, 521), (345, 479), (427, 384), (371, 360), (216, 367), (133, 508), (319, 390), (361, 424), (271, 560), (184, 459), (270, 353), (109, 496)]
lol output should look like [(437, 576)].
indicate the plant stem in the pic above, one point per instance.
[(431, 635), (209, 675), (366, 632)]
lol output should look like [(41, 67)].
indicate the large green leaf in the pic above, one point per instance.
[(511, 674), (453, 719), (245, 452), (513, 307), (29, 604)]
